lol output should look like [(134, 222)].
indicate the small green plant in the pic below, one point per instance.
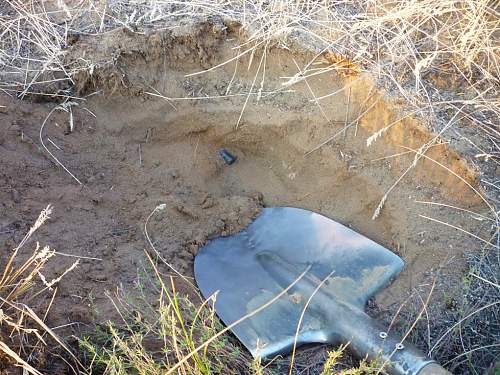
[(331, 366), (175, 335), (153, 337)]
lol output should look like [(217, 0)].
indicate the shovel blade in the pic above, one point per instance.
[(253, 266)]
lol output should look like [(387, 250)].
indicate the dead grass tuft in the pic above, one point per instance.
[(24, 334)]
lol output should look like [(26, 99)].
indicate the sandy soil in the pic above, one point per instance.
[(133, 151)]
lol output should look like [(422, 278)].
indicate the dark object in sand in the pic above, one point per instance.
[(227, 156)]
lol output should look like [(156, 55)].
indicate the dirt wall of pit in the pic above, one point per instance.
[(130, 65), (144, 90)]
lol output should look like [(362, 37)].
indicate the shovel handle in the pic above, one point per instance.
[(367, 337)]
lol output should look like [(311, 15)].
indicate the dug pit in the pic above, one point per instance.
[(159, 107)]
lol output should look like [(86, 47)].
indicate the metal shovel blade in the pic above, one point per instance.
[(251, 267)]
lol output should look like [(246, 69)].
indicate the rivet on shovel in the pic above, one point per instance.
[(227, 156)]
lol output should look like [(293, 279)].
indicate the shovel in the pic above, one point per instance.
[(343, 269)]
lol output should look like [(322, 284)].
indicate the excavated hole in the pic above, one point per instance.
[(133, 151), (175, 142)]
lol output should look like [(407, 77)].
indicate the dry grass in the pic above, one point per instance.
[(31, 46), (24, 334), (410, 43)]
